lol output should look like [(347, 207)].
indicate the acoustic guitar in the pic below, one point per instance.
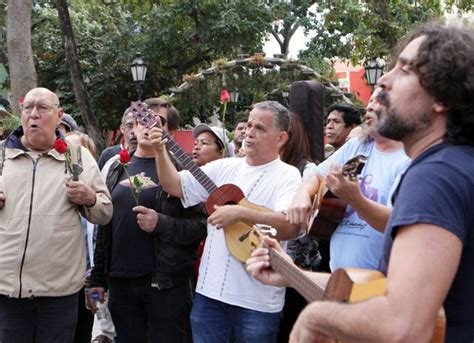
[(327, 210), (343, 285), (236, 235)]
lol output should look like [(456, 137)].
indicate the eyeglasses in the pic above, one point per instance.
[(41, 107), (162, 120)]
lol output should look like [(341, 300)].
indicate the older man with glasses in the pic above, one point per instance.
[(42, 257)]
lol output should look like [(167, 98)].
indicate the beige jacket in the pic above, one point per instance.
[(42, 251)]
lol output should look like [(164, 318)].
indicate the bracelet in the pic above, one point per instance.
[(95, 200)]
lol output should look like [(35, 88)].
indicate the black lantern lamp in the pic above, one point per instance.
[(138, 68), (373, 71)]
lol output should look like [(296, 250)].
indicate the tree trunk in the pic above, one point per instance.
[(387, 32), (20, 55), (82, 99)]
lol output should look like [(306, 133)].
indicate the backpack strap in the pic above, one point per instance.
[(113, 175), (2, 155)]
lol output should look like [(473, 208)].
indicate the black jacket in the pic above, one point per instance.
[(176, 239)]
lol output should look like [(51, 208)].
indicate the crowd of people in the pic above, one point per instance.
[(143, 244)]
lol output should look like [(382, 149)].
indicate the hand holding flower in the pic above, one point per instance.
[(137, 182), (147, 218), (79, 193)]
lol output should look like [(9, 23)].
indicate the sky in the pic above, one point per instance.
[(297, 43)]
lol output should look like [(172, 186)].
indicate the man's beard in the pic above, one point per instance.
[(393, 126)]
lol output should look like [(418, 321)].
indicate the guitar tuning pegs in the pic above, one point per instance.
[(266, 230)]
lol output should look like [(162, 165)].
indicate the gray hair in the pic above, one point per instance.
[(281, 117)]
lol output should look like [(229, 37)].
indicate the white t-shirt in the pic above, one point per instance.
[(355, 243), (221, 276)]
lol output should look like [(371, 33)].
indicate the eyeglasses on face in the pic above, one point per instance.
[(41, 107), (162, 120)]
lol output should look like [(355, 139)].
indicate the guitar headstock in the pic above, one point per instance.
[(143, 114), (352, 168)]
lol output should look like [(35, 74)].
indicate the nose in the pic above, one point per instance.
[(249, 132), (385, 79), (34, 113)]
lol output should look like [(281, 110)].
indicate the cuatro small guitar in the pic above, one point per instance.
[(236, 235), (327, 210), (344, 285)]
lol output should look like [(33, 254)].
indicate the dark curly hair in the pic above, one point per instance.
[(445, 65), (350, 114)]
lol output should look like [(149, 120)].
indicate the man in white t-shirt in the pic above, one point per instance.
[(358, 239), (229, 302)]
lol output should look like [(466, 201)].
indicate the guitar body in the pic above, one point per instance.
[(353, 285), (329, 216), (327, 211), (236, 235), (227, 194)]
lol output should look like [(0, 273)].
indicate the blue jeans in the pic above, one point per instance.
[(39, 319), (214, 321), (142, 313)]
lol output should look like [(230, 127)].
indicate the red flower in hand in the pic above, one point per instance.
[(225, 96), (60, 145), (124, 156)]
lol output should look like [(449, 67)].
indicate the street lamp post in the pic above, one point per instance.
[(234, 98), (138, 68), (373, 71)]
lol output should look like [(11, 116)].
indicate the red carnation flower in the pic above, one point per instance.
[(225, 96), (124, 156), (60, 145)]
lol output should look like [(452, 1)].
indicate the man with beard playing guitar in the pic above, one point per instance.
[(429, 240)]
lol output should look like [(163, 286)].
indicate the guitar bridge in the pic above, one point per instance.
[(245, 236)]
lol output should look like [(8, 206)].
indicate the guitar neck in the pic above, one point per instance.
[(146, 117), (297, 278), (187, 163)]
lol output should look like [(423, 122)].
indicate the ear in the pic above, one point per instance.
[(282, 138), (60, 115), (440, 108)]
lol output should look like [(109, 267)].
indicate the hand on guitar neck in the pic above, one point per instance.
[(258, 265), (272, 266), (343, 187)]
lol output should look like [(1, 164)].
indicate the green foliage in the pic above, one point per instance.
[(10, 122), (254, 82), (347, 29), (180, 37), (174, 37)]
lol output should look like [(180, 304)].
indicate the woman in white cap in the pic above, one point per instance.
[(210, 143)]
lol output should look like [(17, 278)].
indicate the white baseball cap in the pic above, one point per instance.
[(219, 132)]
